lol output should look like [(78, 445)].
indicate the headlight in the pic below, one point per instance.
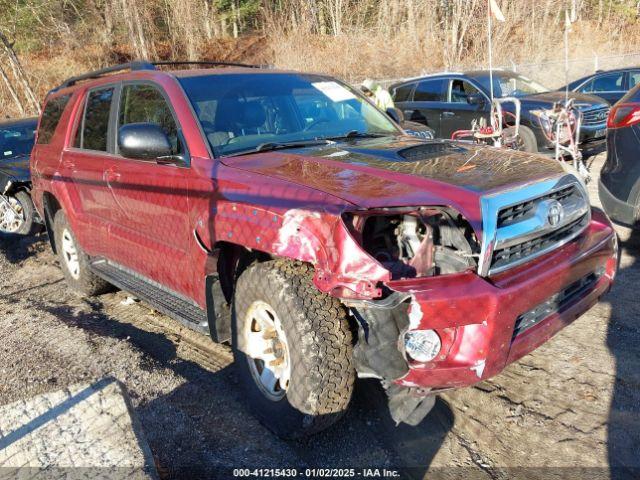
[(422, 345), (543, 116)]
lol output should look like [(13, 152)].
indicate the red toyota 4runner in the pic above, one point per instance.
[(284, 213)]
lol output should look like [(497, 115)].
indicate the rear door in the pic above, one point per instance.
[(150, 221), (83, 167), (426, 103), (465, 103)]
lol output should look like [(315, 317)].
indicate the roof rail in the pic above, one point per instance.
[(137, 65), (206, 63), (144, 65)]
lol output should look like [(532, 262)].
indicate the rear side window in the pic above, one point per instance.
[(634, 78), (403, 93), (95, 125), (145, 104), (429, 91), (51, 117), (604, 83)]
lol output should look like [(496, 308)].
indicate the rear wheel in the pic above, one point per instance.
[(17, 214), (73, 261), (292, 349)]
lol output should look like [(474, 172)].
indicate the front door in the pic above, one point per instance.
[(465, 103), (150, 225)]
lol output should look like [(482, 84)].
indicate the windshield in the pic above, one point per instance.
[(16, 140), (507, 84), (241, 112)]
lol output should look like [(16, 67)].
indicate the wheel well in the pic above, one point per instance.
[(232, 260), (51, 206)]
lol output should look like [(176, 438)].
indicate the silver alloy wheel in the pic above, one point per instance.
[(267, 350), (70, 254), (11, 214)]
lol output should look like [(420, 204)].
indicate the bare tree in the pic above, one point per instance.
[(19, 75)]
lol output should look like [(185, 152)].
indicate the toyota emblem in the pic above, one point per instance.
[(555, 213)]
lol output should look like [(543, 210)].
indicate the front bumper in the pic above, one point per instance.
[(480, 314), (620, 211)]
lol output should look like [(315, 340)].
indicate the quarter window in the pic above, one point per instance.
[(145, 104), (634, 79), (429, 91), (51, 117), (403, 93), (94, 129)]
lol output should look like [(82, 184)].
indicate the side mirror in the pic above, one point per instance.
[(143, 141), (396, 115), (475, 99)]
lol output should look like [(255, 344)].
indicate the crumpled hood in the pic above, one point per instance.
[(403, 171)]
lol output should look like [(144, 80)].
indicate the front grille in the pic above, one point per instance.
[(521, 251), (556, 303), (595, 117), (511, 214)]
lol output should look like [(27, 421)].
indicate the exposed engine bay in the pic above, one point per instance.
[(420, 242), (410, 243)]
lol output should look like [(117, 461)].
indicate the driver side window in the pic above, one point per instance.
[(460, 91), (141, 103)]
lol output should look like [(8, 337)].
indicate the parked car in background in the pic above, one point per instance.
[(449, 102), (611, 85), (619, 184), (17, 214), (283, 212)]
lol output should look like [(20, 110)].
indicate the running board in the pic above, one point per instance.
[(159, 297)]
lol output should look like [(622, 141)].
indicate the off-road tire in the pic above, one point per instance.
[(320, 348), (528, 139), (87, 283)]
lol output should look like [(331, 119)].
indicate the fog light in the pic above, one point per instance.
[(422, 345)]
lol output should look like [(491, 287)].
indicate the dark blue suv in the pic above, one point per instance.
[(610, 85), (450, 101)]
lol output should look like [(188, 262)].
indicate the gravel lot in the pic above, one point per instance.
[(575, 402)]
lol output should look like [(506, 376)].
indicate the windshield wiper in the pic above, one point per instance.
[(357, 134), (271, 146)]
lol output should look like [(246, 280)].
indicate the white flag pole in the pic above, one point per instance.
[(567, 26), (490, 49)]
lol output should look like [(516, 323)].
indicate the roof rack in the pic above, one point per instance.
[(144, 65), (137, 65), (206, 63)]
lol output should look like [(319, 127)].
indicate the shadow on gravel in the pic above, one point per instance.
[(623, 340), (17, 248), (201, 429)]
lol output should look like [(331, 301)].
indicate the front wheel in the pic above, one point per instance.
[(292, 349), (525, 141), (18, 215)]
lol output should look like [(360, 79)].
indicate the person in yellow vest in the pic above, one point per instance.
[(380, 97)]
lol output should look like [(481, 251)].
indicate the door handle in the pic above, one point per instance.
[(448, 114), (110, 176)]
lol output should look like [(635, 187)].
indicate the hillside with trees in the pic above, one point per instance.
[(45, 41)]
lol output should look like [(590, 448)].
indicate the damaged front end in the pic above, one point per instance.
[(414, 245)]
